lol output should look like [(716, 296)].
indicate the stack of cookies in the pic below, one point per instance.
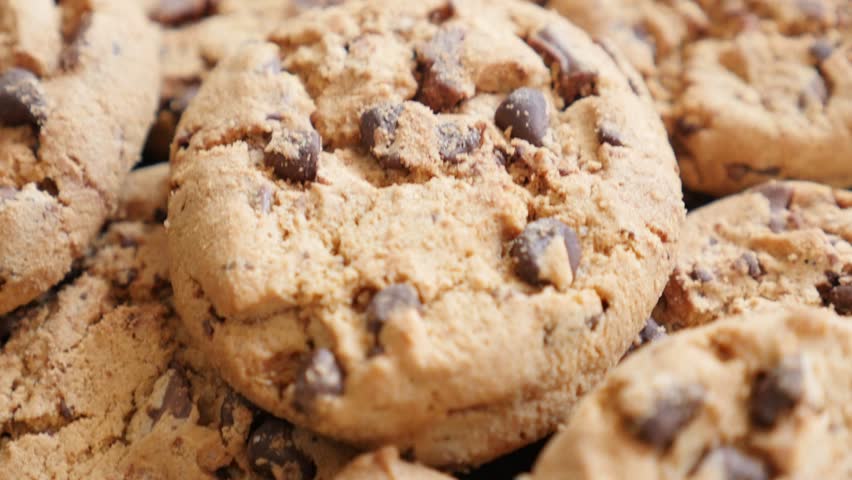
[(383, 239)]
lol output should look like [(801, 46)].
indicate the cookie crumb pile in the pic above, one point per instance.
[(470, 239)]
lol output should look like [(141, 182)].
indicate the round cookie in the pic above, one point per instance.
[(427, 224), (196, 34), (750, 90), (778, 242), (78, 87), (385, 464), (99, 380), (758, 396)]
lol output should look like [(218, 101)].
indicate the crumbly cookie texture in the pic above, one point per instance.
[(778, 242), (98, 380), (421, 223), (385, 464), (759, 396), (196, 35), (750, 90), (78, 88)]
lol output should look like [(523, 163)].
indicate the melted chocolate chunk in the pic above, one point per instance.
[(607, 134), (572, 80), (455, 141), (22, 101), (776, 392), (651, 332), (525, 112), (821, 50), (444, 79), (835, 294), (319, 375), (272, 452), (394, 298), (378, 129), (176, 12), (529, 248), (673, 411), (755, 270), (297, 158), (177, 399)]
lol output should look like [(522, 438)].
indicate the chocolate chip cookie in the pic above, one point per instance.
[(759, 396), (427, 224), (778, 242), (750, 89), (98, 380), (78, 87), (196, 35)]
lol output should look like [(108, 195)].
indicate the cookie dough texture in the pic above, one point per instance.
[(779, 242), (385, 464), (78, 87), (98, 382), (759, 396), (420, 223), (750, 90), (196, 35)]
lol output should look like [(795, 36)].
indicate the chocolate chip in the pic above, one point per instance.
[(776, 392), (755, 270), (609, 135), (651, 332), (48, 186), (160, 215), (737, 465), (378, 129), (821, 50), (394, 298), (7, 322), (525, 112), (273, 454), (701, 274), (442, 13), (65, 410), (296, 158), (532, 244), (176, 12), (21, 99), (454, 141), (672, 412), (572, 80), (779, 195), (232, 403), (176, 399), (841, 298), (686, 126), (444, 79), (319, 375)]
